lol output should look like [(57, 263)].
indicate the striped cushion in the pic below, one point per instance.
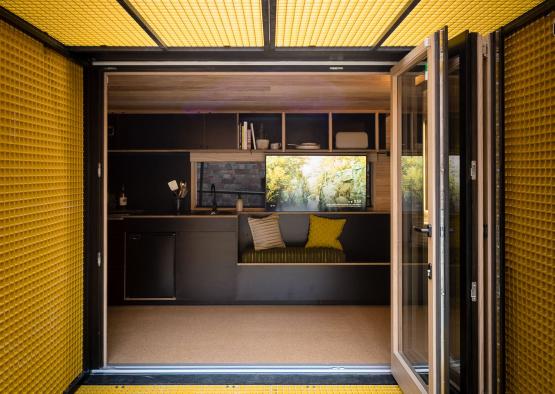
[(265, 233), (294, 255)]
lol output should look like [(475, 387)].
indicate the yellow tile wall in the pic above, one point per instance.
[(530, 208), (41, 216)]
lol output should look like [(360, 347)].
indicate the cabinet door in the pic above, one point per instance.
[(155, 131), (220, 131), (150, 266), (206, 267), (116, 253)]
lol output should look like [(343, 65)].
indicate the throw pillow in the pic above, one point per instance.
[(265, 232), (324, 233)]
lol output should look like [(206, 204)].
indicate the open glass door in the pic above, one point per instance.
[(419, 211)]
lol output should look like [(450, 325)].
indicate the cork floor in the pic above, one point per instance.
[(249, 335)]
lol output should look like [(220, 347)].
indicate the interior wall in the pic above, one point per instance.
[(41, 216), (530, 208)]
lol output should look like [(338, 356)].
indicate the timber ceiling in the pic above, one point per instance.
[(247, 92)]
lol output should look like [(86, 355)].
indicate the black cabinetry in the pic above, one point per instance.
[(149, 265), (206, 269), (301, 128), (171, 260), (220, 131), (172, 131)]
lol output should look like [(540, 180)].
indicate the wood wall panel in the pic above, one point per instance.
[(248, 92), (382, 196)]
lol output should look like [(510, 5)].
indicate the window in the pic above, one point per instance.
[(230, 180)]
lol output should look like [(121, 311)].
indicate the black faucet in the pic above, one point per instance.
[(214, 204)]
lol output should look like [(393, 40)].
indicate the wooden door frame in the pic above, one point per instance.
[(401, 370)]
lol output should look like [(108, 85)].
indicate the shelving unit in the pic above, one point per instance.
[(219, 132), (140, 142)]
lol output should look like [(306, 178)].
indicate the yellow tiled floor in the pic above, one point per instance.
[(237, 389)]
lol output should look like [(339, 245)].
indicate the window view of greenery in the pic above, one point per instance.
[(316, 183), (412, 182)]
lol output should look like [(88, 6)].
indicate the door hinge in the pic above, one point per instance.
[(473, 296), (429, 271), (99, 259), (484, 49), (473, 170), (99, 170)]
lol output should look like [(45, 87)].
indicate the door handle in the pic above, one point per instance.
[(427, 229)]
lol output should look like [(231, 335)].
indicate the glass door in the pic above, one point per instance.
[(419, 213)]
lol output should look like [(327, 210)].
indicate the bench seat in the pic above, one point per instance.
[(293, 255)]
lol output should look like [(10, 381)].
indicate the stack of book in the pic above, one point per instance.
[(247, 139)]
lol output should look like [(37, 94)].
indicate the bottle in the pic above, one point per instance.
[(122, 198), (239, 204)]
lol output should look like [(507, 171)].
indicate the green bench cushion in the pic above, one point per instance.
[(293, 255)]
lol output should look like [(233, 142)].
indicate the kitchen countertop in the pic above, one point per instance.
[(119, 215)]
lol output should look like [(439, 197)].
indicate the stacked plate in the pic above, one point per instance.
[(308, 146)]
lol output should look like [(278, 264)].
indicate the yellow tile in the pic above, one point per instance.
[(530, 208), (204, 23), (81, 22), (477, 16), (41, 216), (334, 23)]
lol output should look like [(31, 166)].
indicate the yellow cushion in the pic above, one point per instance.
[(324, 233)]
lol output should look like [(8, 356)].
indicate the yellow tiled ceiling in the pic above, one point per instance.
[(480, 16), (204, 23), (334, 23), (81, 22)]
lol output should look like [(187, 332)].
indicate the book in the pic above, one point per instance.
[(253, 137), (244, 134), (249, 137)]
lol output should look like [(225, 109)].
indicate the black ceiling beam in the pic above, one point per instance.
[(266, 23), (396, 22), (272, 22), (133, 13), (385, 54), (35, 33)]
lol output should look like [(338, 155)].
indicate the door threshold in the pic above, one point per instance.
[(139, 369)]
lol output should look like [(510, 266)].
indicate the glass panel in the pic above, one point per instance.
[(454, 79), (231, 180), (414, 255)]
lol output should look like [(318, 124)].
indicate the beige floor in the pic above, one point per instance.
[(248, 335)]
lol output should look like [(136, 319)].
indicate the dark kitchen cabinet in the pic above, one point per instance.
[(206, 267), (220, 131), (155, 131), (116, 253), (172, 131), (150, 265)]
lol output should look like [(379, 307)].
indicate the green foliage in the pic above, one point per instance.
[(285, 181), (412, 182), (316, 182)]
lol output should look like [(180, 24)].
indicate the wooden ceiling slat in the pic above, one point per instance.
[(248, 92)]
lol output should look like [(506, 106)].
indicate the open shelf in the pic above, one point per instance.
[(218, 132), (312, 127), (365, 123), (268, 125)]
